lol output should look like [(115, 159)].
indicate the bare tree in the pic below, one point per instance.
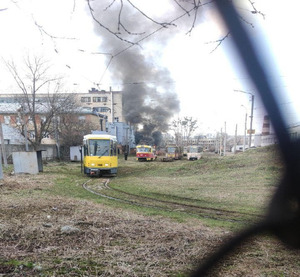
[(40, 101), (183, 129), (72, 130), (189, 125)]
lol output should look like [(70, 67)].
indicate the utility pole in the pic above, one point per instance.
[(221, 136), (245, 129), (216, 142), (225, 139), (2, 147), (251, 119), (235, 138), (245, 133), (126, 150), (56, 136), (112, 105), (251, 116)]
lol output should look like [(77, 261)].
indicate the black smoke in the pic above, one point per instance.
[(149, 98)]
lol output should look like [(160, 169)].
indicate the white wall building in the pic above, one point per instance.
[(108, 103)]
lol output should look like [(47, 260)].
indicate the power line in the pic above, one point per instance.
[(145, 37)]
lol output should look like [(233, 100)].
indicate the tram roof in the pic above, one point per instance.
[(144, 145), (100, 136)]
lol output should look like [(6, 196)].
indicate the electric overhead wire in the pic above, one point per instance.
[(120, 52), (142, 39)]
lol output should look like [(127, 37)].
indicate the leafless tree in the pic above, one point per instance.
[(182, 13), (183, 129), (41, 101), (72, 130)]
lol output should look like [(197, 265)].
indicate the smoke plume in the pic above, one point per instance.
[(149, 98)]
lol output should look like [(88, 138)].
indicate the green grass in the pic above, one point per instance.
[(16, 263), (243, 182)]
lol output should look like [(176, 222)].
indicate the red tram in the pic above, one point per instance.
[(145, 153)]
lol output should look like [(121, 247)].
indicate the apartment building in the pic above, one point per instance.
[(101, 102), (108, 103)]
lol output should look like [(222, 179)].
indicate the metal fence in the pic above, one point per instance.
[(283, 217)]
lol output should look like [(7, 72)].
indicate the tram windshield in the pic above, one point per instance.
[(99, 147), (143, 149), (194, 149), (171, 149)]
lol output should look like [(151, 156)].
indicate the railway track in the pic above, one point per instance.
[(101, 188)]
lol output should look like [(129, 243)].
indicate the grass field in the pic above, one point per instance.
[(243, 182), (51, 226)]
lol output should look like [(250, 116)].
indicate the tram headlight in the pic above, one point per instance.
[(92, 164), (106, 164)]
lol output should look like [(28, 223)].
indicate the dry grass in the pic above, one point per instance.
[(104, 242)]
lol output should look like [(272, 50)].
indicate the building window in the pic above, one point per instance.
[(86, 109), (99, 99), (85, 99), (8, 100), (116, 119), (7, 119), (18, 120), (101, 109)]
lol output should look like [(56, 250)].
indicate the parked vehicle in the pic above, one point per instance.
[(100, 154), (145, 153), (173, 152), (194, 152)]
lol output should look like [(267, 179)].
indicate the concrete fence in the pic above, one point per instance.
[(49, 152)]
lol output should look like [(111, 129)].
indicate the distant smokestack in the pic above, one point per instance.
[(266, 126)]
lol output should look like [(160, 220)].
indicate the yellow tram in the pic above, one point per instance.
[(100, 154)]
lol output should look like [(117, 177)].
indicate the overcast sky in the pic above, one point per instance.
[(205, 80)]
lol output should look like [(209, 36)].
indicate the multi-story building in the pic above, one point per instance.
[(108, 103)]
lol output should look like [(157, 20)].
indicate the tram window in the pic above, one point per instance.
[(172, 150), (111, 149), (85, 149), (115, 148), (143, 149), (99, 147)]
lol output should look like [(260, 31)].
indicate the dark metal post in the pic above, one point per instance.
[(3, 146), (39, 160)]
